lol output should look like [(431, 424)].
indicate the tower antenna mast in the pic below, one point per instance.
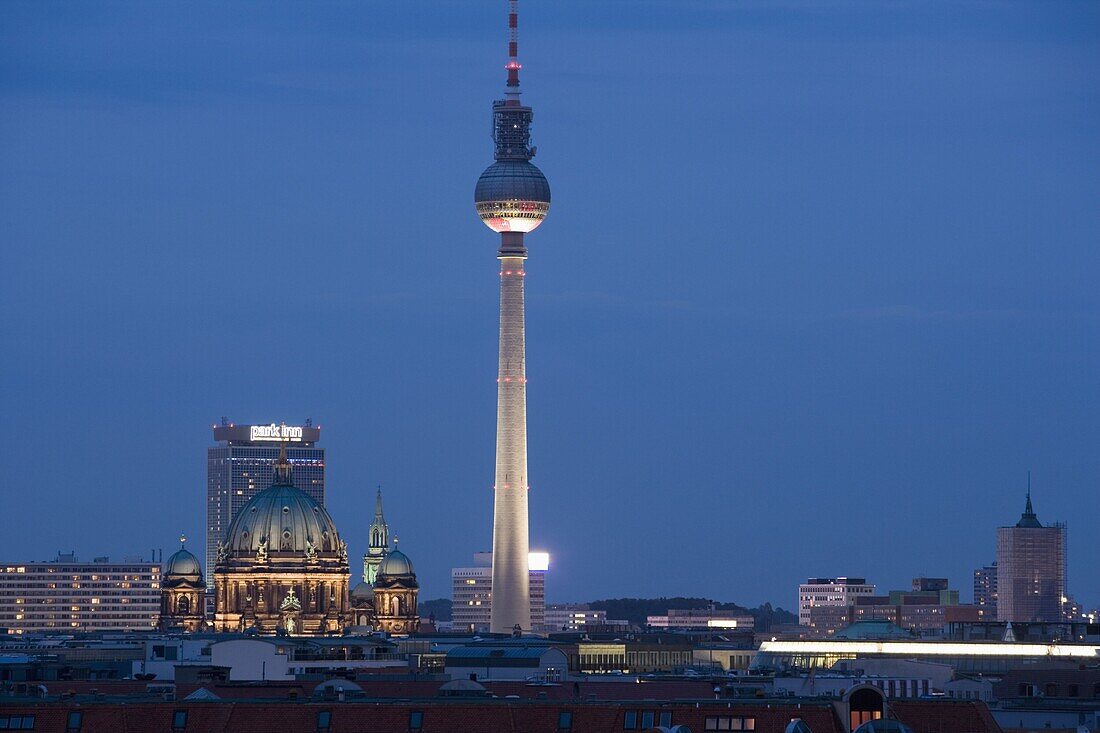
[(513, 66)]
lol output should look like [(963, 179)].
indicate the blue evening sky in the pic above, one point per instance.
[(817, 289)]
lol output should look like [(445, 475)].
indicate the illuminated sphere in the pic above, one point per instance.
[(512, 196)]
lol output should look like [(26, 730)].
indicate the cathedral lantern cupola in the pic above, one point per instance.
[(183, 591)]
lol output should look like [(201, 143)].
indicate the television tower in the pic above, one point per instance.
[(512, 198)]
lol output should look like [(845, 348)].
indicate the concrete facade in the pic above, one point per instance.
[(511, 594)]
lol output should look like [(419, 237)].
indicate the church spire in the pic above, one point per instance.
[(378, 518), (1028, 518), (379, 544)]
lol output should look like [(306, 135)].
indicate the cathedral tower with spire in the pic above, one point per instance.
[(379, 544)]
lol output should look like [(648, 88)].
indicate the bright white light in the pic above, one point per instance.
[(538, 560), (722, 623), (930, 648), (512, 216)]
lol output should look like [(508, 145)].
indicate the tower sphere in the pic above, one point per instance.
[(512, 196)]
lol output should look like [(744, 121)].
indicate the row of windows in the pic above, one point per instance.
[(644, 719), (1052, 690), (16, 722), (729, 722)]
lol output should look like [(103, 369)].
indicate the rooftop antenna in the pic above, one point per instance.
[(309, 422), (513, 66)]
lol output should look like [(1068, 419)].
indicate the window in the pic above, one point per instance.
[(647, 719), (630, 720), (1073, 690), (76, 718), (565, 720), (17, 722), (416, 720), (324, 720), (179, 720), (666, 718), (1051, 690)]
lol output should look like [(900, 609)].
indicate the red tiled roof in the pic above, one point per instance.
[(495, 716), (945, 716), (470, 716)]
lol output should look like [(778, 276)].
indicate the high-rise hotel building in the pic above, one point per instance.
[(66, 595), (243, 464)]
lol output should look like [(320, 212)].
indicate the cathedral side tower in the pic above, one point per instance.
[(379, 545)]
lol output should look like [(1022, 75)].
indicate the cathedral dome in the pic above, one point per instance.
[(362, 592), (182, 564), (282, 520), (396, 563)]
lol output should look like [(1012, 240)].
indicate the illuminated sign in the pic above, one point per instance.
[(275, 432), (538, 560)]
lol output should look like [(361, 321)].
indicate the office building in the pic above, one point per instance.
[(66, 595), (827, 595), (573, 617), (1031, 569), (472, 593), (925, 607), (985, 590), (512, 198), (696, 619), (243, 464)]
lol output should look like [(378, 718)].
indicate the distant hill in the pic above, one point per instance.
[(635, 610)]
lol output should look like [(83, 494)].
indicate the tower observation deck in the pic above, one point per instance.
[(512, 198)]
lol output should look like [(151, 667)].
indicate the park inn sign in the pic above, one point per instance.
[(281, 432)]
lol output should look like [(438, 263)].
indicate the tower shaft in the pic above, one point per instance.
[(511, 605)]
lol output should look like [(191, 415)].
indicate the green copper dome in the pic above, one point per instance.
[(282, 519)]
